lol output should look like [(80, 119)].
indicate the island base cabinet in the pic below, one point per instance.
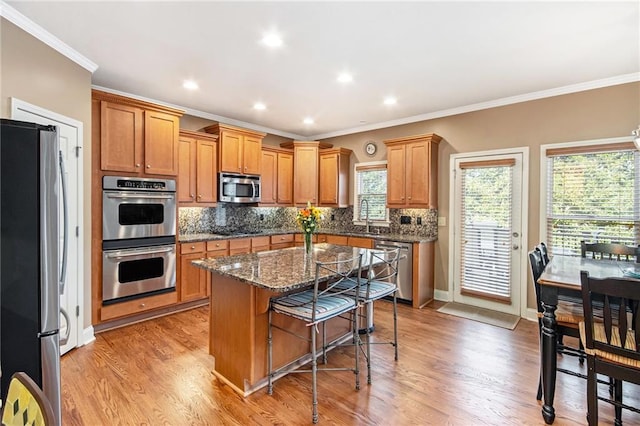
[(239, 329)]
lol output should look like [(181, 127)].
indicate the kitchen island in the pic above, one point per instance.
[(241, 287)]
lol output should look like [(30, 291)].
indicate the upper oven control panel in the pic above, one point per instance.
[(133, 184)]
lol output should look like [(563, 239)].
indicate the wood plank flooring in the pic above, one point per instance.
[(451, 371)]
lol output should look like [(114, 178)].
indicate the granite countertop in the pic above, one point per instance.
[(403, 238), (280, 270)]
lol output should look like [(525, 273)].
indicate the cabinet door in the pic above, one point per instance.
[(186, 170), (306, 175), (340, 240), (269, 178), (230, 152), (206, 177), (360, 242), (161, 143), (285, 178), (328, 188), (251, 155), (121, 134), (193, 281), (417, 174), (396, 175)]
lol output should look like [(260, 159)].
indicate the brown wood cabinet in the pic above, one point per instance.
[(340, 240), (260, 243), (305, 171), (334, 177), (412, 171), (197, 177), (193, 281), (277, 176), (360, 242), (282, 241), (137, 137), (239, 246), (240, 150)]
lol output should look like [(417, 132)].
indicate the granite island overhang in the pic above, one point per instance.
[(241, 287)]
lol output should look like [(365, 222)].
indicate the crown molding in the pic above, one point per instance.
[(564, 90), (27, 25)]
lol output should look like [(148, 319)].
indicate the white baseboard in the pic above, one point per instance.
[(442, 295), (87, 336)]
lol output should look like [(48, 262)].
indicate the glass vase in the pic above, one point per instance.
[(308, 243)]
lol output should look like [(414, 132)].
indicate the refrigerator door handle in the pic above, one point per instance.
[(65, 220), (64, 339)]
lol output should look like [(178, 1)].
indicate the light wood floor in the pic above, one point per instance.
[(451, 371)]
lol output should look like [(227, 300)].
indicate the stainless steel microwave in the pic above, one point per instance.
[(234, 188)]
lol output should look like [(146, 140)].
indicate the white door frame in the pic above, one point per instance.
[(524, 211), (18, 106)]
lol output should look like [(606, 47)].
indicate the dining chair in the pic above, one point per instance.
[(611, 338), (568, 316), (614, 251), (542, 247), (381, 280), (325, 301), (26, 404)]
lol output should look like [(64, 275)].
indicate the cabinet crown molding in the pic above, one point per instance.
[(276, 149), (321, 145), (338, 150), (220, 127), (123, 100), (198, 135), (429, 137)]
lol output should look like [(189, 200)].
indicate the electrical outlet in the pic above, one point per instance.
[(333, 217), (442, 221), (261, 216), (418, 220), (405, 220)]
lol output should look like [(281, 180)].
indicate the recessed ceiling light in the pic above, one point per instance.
[(190, 85), (345, 77), (308, 120), (259, 106), (272, 40), (390, 101)]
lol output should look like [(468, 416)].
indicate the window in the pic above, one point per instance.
[(371, 185), (592, 195)]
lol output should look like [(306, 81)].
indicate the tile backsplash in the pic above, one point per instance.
[(197, 220)]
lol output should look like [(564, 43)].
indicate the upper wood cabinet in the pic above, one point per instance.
[(137, 137), (197, 177), (305, 172), (240, 150), (412, 171), (276, 172), (334, 177)]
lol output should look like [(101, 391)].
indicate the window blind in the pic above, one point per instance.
[(371, 185), (592, 196), (486, 216)]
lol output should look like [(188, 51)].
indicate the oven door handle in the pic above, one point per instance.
[(121, 253), (141, 197)]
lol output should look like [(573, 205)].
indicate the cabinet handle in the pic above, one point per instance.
[(191, 195), (148, 166), (137, 164), (193, 247), (218, 245), (199, 196), (409, 197), (142, 305)]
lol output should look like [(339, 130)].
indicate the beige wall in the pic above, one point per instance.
[(593, 114), (35, 73)]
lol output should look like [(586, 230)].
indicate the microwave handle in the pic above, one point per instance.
[(253, 185)]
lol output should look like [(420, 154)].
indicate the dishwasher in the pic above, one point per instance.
[(405, 278), (405, 267)]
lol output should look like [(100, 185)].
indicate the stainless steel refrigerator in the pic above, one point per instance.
[(30, 268)]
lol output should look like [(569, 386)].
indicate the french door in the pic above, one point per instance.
[(487, 269)]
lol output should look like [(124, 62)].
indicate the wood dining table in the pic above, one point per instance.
[(562, 277)]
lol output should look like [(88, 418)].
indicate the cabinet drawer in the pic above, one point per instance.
[(240, 244), (217, 245), (138, 305), (258, 242), (187, 248), (360, 242), (283, 238), (321, 239), (340, 240)]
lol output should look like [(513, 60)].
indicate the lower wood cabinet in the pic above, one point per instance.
[(340, 240), (282, 241), (193, 281), (137, 306)]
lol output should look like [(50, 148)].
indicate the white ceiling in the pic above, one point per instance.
[(437, 58)]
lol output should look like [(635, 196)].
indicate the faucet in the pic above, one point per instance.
[(367, 221)]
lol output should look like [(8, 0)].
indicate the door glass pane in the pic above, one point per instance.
[(486, 217)]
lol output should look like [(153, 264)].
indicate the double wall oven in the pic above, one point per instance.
[(138, 237)]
